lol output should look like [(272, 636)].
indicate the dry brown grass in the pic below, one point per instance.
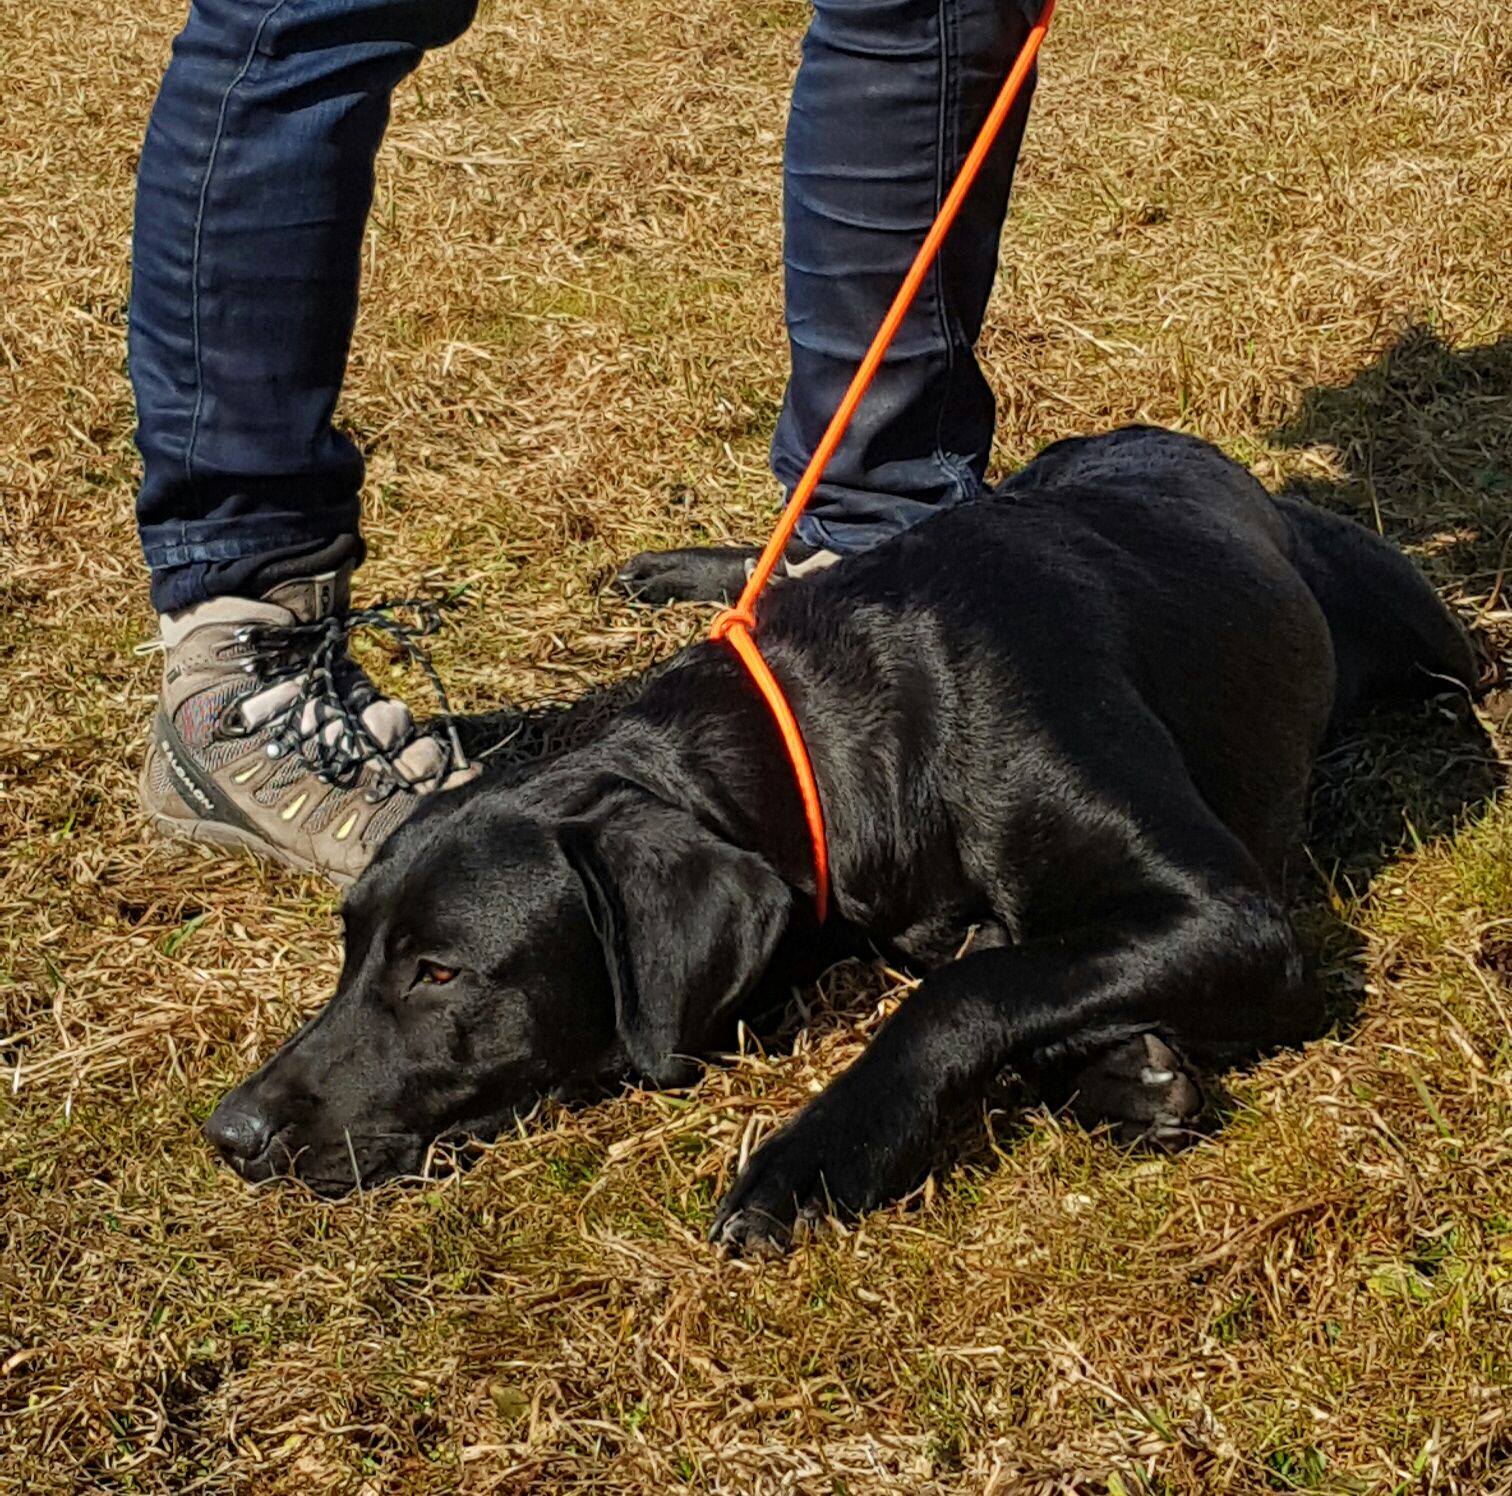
[(1282, 227)]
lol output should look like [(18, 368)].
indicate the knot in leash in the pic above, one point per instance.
[(732, 618), (737, 626)]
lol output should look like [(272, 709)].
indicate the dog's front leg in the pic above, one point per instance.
[(1208, 970), (871, 1135)]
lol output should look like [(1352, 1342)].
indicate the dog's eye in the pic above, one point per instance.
[(432, 974)]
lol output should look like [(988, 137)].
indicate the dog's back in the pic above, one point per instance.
[(1118, 579), (1392, 636)]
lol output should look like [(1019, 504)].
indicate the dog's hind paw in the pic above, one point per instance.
[(698, 574), (1142, 1089)]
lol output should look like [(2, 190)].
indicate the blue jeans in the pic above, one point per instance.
[(254, 188)]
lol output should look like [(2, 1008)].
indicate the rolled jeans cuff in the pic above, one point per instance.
[(175, 543)]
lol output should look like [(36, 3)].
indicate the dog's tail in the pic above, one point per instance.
[(1393, 637)]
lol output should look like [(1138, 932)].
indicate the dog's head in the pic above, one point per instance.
[(496, 955)]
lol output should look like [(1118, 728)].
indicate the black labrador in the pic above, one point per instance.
[(1068, 728)]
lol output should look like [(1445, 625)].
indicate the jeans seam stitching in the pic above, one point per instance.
[(936, 276), (199, 227)]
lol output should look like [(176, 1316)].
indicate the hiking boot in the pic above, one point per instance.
[(268, 735)]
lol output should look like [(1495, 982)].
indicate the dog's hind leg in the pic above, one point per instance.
[(1194, 952), (1393, 637)]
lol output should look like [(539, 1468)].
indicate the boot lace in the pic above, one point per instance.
[(324, 720)]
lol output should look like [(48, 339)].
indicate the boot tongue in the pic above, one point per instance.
[(312, 598)]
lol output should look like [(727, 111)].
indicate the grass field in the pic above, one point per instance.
[(1286, 228)]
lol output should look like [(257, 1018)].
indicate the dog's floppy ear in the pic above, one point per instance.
[(688, 924)]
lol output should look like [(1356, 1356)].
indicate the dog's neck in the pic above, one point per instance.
[(701, 737)]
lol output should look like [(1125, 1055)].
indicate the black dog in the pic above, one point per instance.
[(1077, 719)]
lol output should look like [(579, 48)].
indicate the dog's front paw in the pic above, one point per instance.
[(764, 1228), (698, 574), (817, 1166)]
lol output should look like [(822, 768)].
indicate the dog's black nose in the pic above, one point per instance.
[(239, 1131)]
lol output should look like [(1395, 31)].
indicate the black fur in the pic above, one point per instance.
[(1078, 718)]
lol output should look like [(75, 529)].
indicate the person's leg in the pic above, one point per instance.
[(889, 96), (254, 186)]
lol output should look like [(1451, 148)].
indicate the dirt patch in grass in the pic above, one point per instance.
[(1284, 229)]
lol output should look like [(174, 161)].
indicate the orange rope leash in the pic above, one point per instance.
[(738, 624)]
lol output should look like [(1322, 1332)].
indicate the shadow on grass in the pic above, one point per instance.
[(1423, 439), (512, 741)]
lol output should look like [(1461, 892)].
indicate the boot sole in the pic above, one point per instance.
[(219, 835), (214, 833), (205, 832)]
